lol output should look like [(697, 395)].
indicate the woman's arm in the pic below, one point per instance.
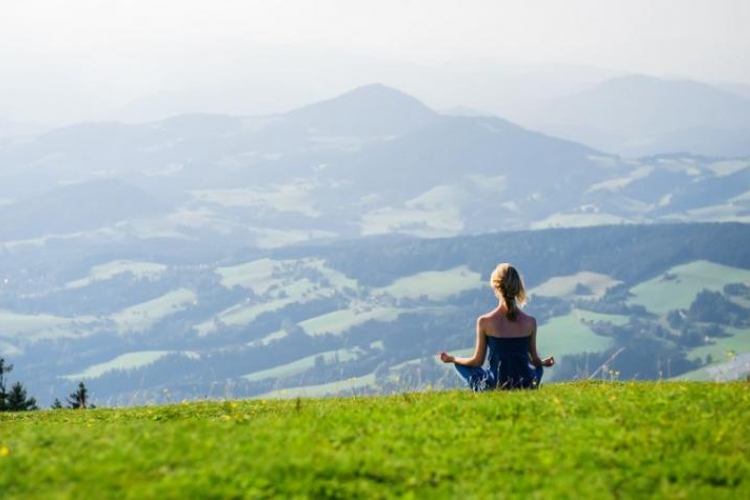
[(480, 351), (535, 359)]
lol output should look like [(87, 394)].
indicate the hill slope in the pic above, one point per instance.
[(136, 319), (588, 440), (639, 115)]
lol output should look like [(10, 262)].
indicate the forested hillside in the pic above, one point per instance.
[(142, 322)]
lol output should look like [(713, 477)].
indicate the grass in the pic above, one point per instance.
[(338, 387), (127, 361), (305, 363), (728, 167), (41, 326), (338, 322), (256, 275), (262, 274), (141, 317), (294, 197), (737, 341), (111, 269), (563, 335), (278, 284), (578, 220), (576, 440), (565, 286), (678, 287), (436, 285), (419, 221)]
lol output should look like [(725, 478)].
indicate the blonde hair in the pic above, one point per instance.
[(508, 285)]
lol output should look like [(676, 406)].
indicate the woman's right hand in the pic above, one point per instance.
[(548, 361), (446, 358)]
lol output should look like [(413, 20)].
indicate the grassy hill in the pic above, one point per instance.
[(576, 440)]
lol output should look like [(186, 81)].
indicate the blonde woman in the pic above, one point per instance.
[(510, 335)]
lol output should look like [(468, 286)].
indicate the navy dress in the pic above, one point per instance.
[(510, 366)]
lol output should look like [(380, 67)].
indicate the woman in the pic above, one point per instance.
[(510, 335)]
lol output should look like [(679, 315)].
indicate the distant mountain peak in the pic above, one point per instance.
[(373, 109)]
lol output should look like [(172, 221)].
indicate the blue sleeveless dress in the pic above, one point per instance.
[(509, 366)]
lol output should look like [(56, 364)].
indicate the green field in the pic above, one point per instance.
[(262, 274), (434, 222), (113, 268), (563, 335), (293, 197), (436, 285), (577, 440), (722, 348), (351, 387), (678, 287), (578, 220), (340, 321), (127, 361), (141, 317), (303, 364), (300, 291), (564, 287), (257, 275), (42, 326)]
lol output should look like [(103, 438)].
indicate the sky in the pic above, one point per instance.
[(66, 49)]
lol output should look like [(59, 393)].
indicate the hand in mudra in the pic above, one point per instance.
[(446, 358)]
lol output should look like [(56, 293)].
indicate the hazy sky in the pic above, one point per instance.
[(133, 45)]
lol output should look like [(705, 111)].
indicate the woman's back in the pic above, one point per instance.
[(508, 343), (497, 324), (509, 335)]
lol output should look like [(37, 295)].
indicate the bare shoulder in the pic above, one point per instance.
[(485, 318), (527, 320)]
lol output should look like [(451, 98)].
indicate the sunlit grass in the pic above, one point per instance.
[(578, 440), (678, 287), (567, 334), (303, 364), (437, 285)]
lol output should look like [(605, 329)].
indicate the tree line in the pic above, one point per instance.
[(17, 399)]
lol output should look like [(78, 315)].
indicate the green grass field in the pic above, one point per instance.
[(303, 364), (436, 285), (348, 387), (110, 269), (738, 340), (34, 327), (677, 288), (576, 440), (564, 287), (340, 321), (563, 335), (127, 361), (142, 316)]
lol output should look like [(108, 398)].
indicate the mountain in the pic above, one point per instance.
[(368, 111), (76, 207), (740, 89), (640, 115), (371, 161), (346, 239), (13, 128)]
